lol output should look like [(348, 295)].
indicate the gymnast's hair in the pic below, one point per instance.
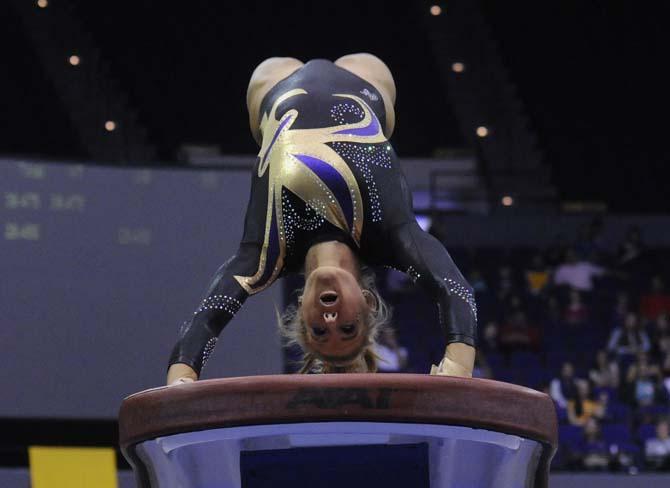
[(364, 360)]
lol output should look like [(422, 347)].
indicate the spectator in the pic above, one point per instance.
[(656, 301), (576, 312), (517, 334), (666, 374), (489, 342), (564, 387), (593, 451), (512, 305), (577, 274), (660, 335), (664, 345), (632, 247), (392, 357), (537, 275), (604, 373), (477, 281), (584, 406), (644, 385), (657, 449), (630, 340), (505, 282), (621, 308)]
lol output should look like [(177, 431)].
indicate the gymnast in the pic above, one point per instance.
[(328, 199)]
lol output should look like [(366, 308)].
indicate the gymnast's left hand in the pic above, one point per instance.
[(459, 360), (180, 373), (181, 381)]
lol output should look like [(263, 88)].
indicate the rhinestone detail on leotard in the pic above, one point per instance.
[(346, 113), (207, 351), (309, 220), (220, 302), (413, 274), (364, 155), (463, 293)]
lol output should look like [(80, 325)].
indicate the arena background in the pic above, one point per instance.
[(124, 174)]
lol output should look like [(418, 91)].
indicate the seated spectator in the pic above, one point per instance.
[(665, 370), (628, 341), (643, 385), (656, 301), (664, 348), (576, 312), (564, 387), (621, 309), (577, 274), (660, 333), (593, 450), (512, 305), (632, 247), (516, 334), (477, 281), (604, 373), (489, 343), (505, 285), (537, 275), (657, 449), (392, 357), (584, 406)]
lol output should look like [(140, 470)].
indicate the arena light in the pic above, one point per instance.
[(42, 3), (457, 67), (482, 131), (75, 60), (507, 201), (110, 125), (435, 10)]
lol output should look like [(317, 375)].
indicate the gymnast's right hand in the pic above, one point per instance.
[(180, 373)]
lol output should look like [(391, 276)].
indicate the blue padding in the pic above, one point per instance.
[(390, 466)]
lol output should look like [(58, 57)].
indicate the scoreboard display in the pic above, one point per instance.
[(99, 266)]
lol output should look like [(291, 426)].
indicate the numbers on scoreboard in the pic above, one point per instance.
[(15, 231), (17, 200), (32, 171), (61, 202)]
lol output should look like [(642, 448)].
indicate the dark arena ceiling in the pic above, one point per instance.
[(590, 76)]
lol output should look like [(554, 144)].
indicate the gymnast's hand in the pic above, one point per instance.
[(459, 360), (180, 373)]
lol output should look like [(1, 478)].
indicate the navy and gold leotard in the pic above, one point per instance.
[(326, 171)]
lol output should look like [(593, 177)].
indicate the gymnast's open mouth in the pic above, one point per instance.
[(328, 298)]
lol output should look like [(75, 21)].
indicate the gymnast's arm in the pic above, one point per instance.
[(223, 299), (429, 265)]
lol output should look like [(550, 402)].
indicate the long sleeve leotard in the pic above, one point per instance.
[(326, 171)]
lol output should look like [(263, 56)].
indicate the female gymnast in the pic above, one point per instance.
[(328, 198)]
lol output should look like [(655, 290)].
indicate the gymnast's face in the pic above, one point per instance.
[(333, 310)]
